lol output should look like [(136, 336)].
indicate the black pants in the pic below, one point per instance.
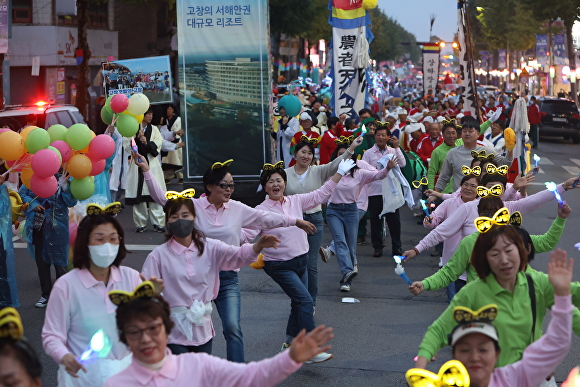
[(393, 222), (5, 296), (178, 349), (43, 267)]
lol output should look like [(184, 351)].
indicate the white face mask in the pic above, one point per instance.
[(103, 255)]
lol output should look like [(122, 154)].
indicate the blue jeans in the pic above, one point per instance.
[(453, 288), (292, 277), (361, 214), (228, 306), (314, 243), (343, 222)]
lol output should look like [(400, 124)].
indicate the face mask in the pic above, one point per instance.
[(103, 255), (181, 228)]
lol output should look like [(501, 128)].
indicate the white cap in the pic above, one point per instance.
[(459, 116), (440, 119), (428, 119), (392, 114), (401, 111), (415, 126), (484, 328), (305, 116)]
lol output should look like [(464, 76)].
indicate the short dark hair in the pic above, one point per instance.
[(365, 110), (500, 123), (23, 352), (489, 205), (150, 307), (213, 176), (383, 127), (448, 125), (485, 241), (266, 175), (170, 208), (489, 178), (470, 124), (332, 121), (348, 122), (31, 117), (334, 154), (81, 255), (527, 239), (484, 164), (469, 177), (532, 98), (302, 144)]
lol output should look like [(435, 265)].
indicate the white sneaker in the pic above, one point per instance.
[(41, 303), (345, 288), (321, 357), (440, 262), (355, 268), (325, 254)]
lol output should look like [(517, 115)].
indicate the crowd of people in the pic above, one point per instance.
[(154, 325)]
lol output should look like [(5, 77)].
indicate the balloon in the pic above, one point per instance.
[(9, 164), (119, 103), (101, 147), (127, 125), (73, 229), (79, 166), (45, 163), (98, 167), (43, 187), (26, 175), (57, 133), (108, 101), (37, 139), (55, 151), (64, 149), (107, 115), (11, 146), (86, 149), (139, 117), (291, 103), (24, 133), (82, 188), (78, 136), (138, 104), (4, 130)]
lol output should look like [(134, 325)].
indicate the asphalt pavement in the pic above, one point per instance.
[(376, 339)]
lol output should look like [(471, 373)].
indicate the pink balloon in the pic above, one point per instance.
[(98, 167), (73, 229), (64, 150), (45, 163), (43, 187), (119, 103), (101, 147), (4, 130)]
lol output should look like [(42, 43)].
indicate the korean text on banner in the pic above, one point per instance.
[(465, 63), (542, 49), (431, 53), (502, 59), (560, 49)]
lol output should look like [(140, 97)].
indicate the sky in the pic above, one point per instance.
[(414, 16)]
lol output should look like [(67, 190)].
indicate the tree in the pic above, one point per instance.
[(82, 100)]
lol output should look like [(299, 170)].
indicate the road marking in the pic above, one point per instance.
[(545, 161), (575, 161), (572, 170), (129, 247)]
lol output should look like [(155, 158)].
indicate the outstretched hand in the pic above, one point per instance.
[(417, 288), (305, 346), (560, 270), (142, 164), (564, 210), (410, 254), (308, 227)]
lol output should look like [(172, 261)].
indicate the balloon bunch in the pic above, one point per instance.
[(126, 113)]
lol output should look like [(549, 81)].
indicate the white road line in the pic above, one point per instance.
[(575, 161), (572, 170), (545, 161), (129, 247)]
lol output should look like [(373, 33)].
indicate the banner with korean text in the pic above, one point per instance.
[(223, 84), (431, 53), (542, 49), (560, 57), (466, 69)]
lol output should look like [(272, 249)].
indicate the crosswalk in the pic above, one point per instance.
[(571, 169), (19, 245)]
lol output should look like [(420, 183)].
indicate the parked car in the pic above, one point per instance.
[(560, 117), (47, 115)]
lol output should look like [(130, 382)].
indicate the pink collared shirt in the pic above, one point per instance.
[(349, 188), (226, 222), (79, 306), (373, 155), (293, 241), (188, 277), (203, 370)]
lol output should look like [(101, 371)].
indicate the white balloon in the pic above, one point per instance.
[(138, 104)]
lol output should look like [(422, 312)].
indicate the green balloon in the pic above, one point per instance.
[(127, 125), (82, 188), (57, 133), (107, 115), (78, 136), (56, 151), (37, 139), (108, 102)]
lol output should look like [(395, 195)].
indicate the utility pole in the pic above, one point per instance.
[(550, 59)]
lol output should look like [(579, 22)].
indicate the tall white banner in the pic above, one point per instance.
[(431, 53), (465, 64)]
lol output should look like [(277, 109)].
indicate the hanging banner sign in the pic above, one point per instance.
[(502, 59), (560, 49), (431, 52), (466, 70), (542, 49)]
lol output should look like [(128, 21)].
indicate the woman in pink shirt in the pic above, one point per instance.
[(144, 325), (190, 265), (79, 306), (288, 265)]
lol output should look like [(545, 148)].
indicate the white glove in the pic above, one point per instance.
[(345, 166), (496, 114)]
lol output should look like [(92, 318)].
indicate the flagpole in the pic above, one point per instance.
[(469, 47)]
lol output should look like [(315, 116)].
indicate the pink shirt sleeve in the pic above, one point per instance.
[(259, 220), (439, 215), (230, 257), (451, 226), (532, 202), (157, 193), (152, 267), (367, 175), (56, 323), (312, 199)]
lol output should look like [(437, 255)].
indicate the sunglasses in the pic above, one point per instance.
[(226, 186)]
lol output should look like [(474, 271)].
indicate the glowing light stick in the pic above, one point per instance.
[(577, 245), (536, 160), (100, 346), (551, 186), (576, 182), (399, 258), (400, 271), (134, 148), (424, 207)]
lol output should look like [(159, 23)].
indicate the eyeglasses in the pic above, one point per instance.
[(226, 186), (136, 334), (472, 186)]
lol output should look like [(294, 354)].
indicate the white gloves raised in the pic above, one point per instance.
[(494, 117), (345, 166)]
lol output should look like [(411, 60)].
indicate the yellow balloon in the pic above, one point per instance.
[(79, 166), (139, 117), (11, 146), (24, 133), (25, 176)]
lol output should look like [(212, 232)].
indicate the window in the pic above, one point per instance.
[(98, 16), (64, 118), (22, 11)]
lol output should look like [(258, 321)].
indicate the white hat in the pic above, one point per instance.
[(484, 328), (305, 116), (428, 119), (459, 116), (413, 127), (440, 119), (401, 111), (392, 114)]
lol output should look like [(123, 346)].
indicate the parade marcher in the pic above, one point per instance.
[(174, 159), (47, 233), (328, 139), (306, 125), (375, 192), (415, 134), (493, 137), (220, 218), (79, 306), (149, 141), (429, 143), (144, 325), (287, 128), (304, 178), (190, 265), (288, 265), (534, 118), (19, 363), (8, 289)]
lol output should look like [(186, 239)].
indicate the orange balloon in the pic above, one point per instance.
[(11, 146), (86, 150), (26, 175), (79, 166)]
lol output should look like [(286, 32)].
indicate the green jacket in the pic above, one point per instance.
[(460, 261), (437, 159), (514, 318)]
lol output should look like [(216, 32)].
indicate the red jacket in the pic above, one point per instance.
[(426, 147), (414, 143), (327, 144), (534, 116)]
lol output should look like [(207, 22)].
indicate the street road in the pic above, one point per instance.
[(375, 340)]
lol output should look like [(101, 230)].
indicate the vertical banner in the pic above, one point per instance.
[(502, 59), (484, 55), (431, 53), (224, 83), (560, 49), (4, 26), (542, 49), (349, 20), (60, 85), (466, 71)]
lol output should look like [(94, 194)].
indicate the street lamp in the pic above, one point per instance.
[(441, 44)]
